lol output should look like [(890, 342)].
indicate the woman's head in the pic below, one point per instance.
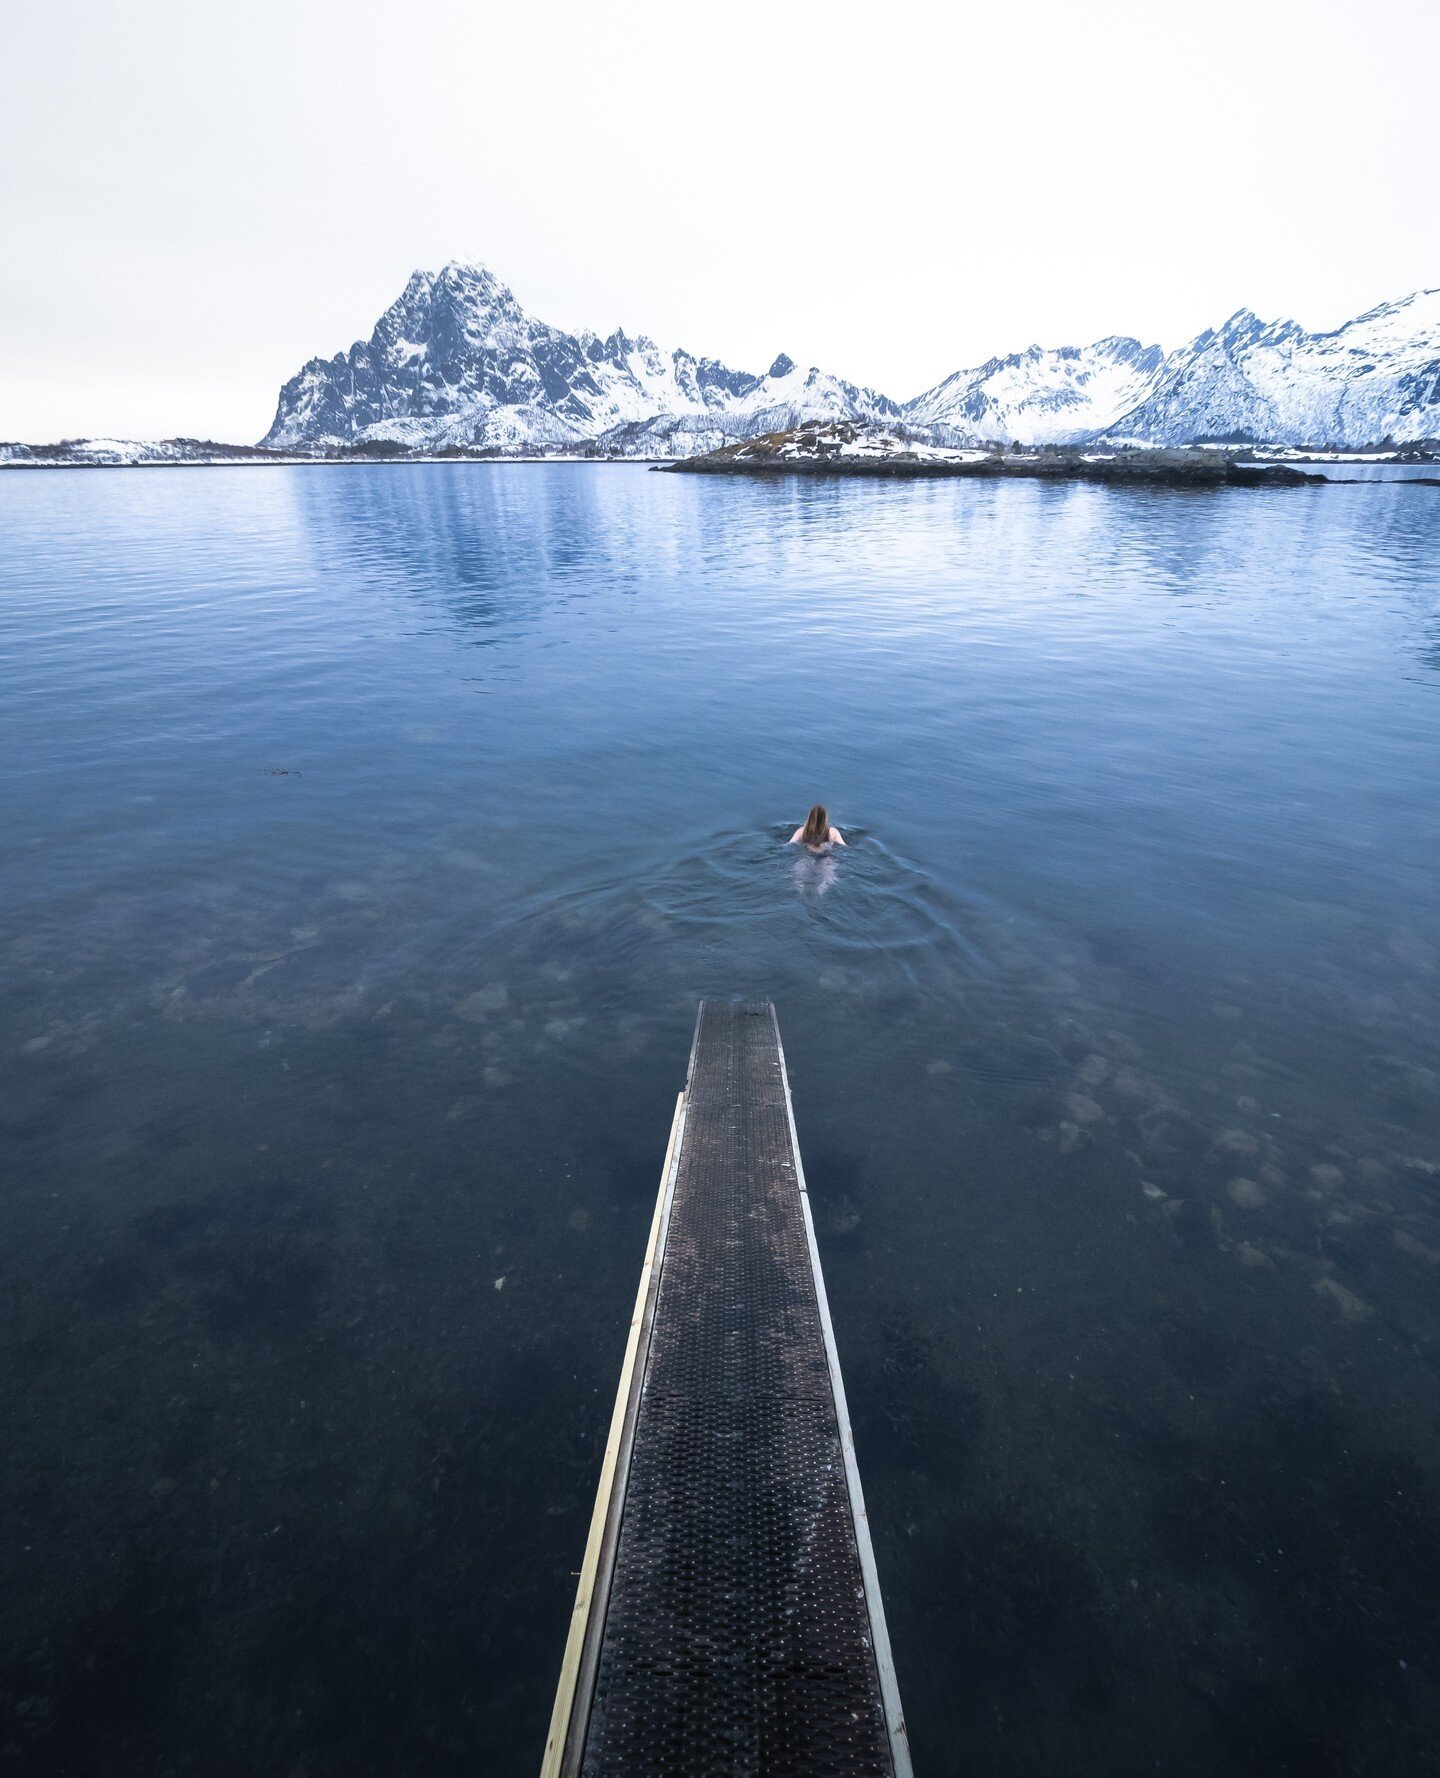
[(817, 826)]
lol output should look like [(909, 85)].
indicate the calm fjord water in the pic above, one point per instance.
[(370, 836)]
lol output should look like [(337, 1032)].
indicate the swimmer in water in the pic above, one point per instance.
[(816, 832)]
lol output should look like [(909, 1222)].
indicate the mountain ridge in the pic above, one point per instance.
[(1376, 376), (457, 363), (457, 366)]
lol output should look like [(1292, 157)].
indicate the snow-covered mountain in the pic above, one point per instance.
[(1376, 377), (457, 361), (1054, 396), (1261, 382)]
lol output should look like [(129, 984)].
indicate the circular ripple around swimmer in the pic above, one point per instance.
[(748, 910), (863, 899)]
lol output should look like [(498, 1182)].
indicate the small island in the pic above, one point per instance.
[(844, 447)]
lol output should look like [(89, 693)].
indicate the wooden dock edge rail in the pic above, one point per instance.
[(728, 1616)]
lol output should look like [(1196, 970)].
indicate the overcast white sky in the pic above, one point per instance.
[(196, 197)]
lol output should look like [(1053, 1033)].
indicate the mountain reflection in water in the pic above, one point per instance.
[(375, 831)]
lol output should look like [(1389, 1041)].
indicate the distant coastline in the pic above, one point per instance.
[(185, 454), (419, 460), (842, 448), (815, 448), (456, 370), (866, 452)]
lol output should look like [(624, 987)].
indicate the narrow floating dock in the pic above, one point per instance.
[(728, 1618)]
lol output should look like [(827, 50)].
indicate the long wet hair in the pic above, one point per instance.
[(817, 826)]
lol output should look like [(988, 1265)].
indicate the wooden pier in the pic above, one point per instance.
[(728, 1619)]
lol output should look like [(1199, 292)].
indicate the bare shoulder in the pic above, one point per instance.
[(797, 836), (837, 838)]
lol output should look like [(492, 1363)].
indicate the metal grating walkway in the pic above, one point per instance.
[(728, 1620)]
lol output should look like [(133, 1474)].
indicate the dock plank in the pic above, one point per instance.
[(733, 1625)]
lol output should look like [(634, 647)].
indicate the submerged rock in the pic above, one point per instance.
[(1246, 1193), (1237, 1142), (477, 1007), (1347, 1305)]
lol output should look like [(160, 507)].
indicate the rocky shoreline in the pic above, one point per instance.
[(815, 448), (843, 449)]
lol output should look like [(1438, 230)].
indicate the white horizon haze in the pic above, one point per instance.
[(196, 199)]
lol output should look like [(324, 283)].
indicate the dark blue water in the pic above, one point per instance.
[(370, 836)]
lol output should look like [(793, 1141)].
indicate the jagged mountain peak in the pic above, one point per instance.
[(1042, 395), (462, 299), (1243, 324), (1127, 349), (1375, 377), (1244, 329), (457, 360), (1422, 306), (460, 281), (470, 273), (1409, 323)]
